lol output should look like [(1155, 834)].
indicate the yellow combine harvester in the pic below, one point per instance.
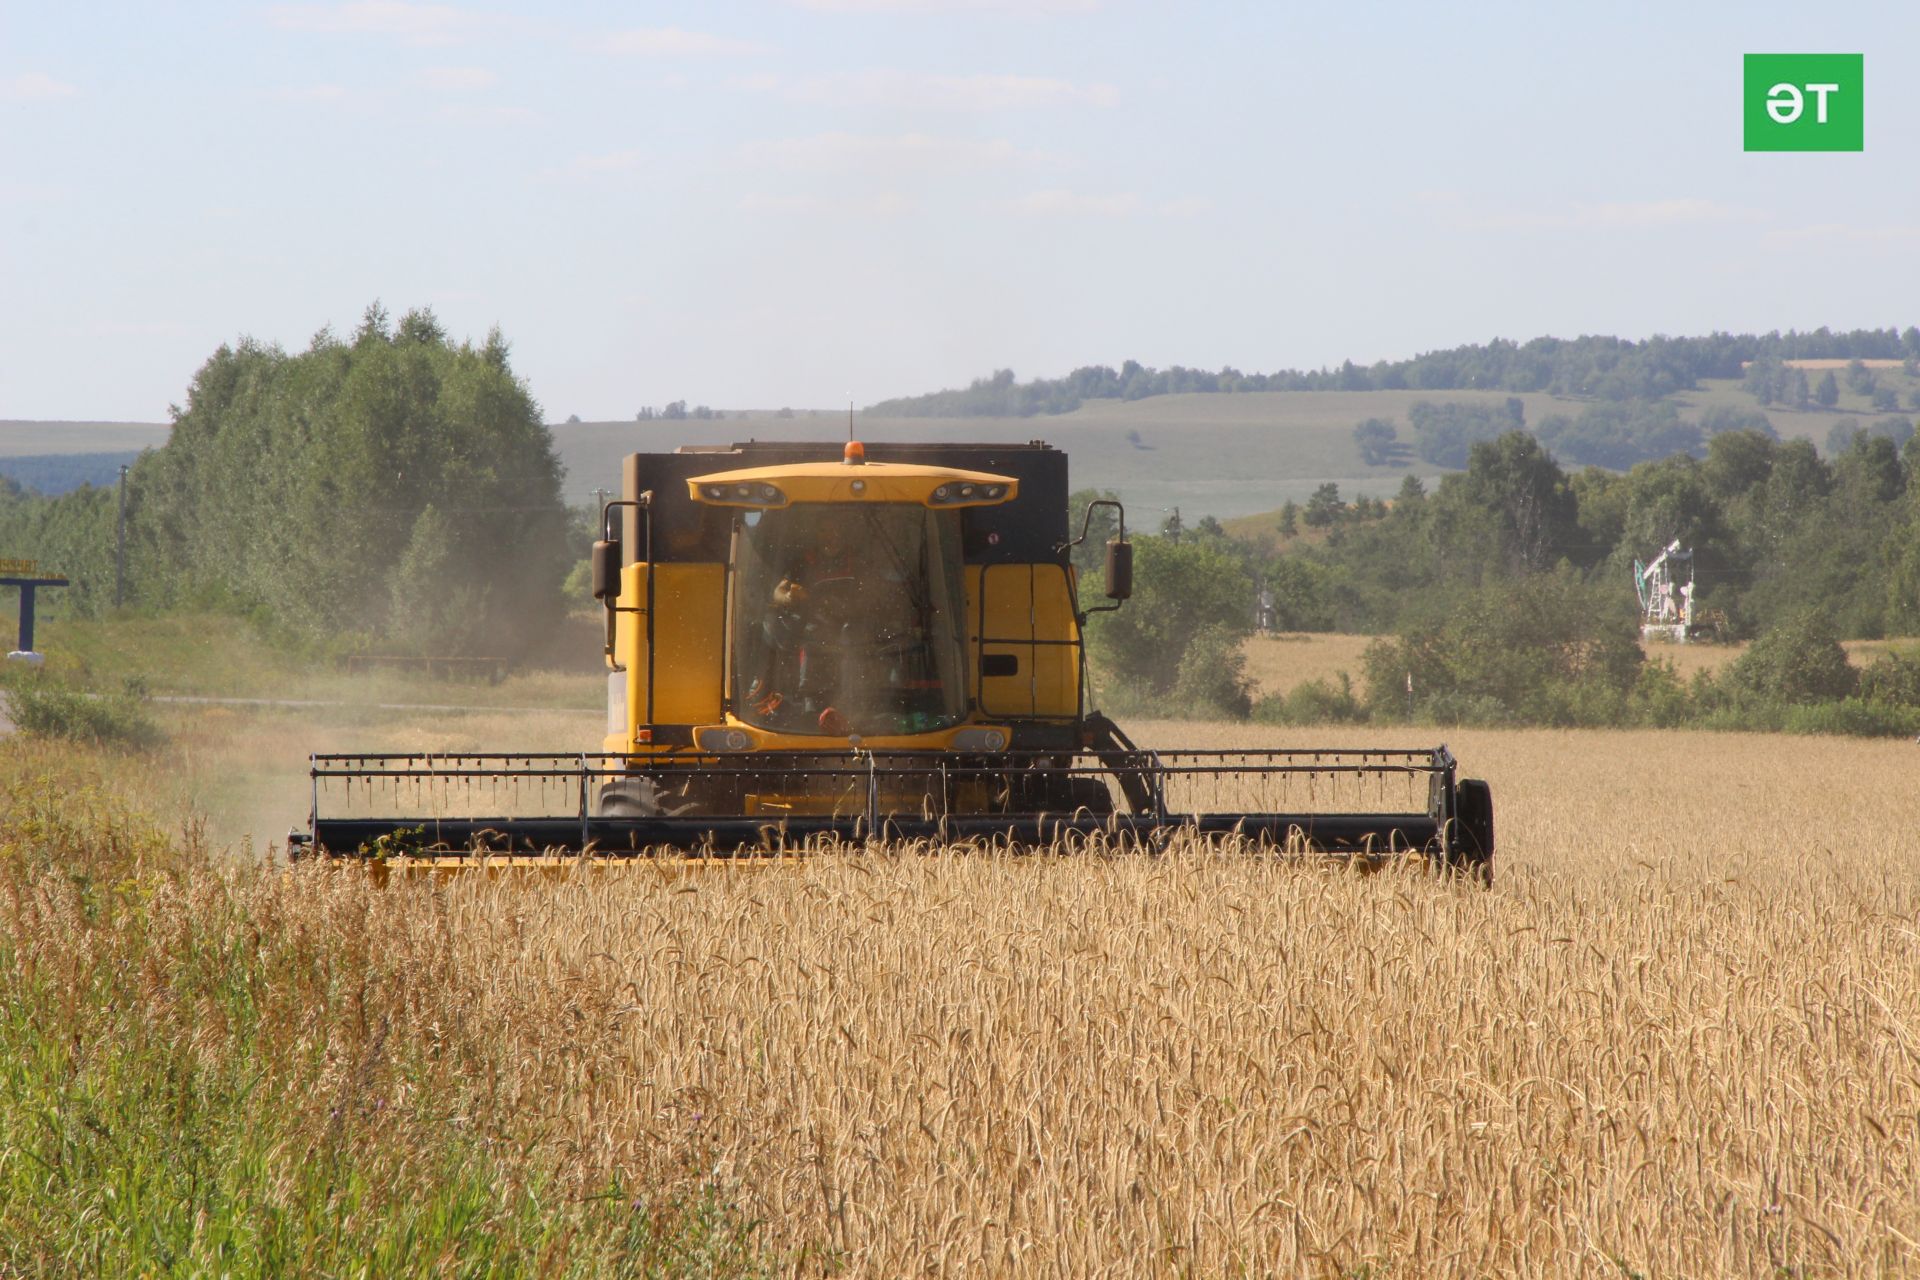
[(811, 645)]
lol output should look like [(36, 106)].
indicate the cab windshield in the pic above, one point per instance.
[(848, 620)]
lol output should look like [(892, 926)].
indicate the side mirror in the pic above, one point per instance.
[(606, 570), (1119, 570)]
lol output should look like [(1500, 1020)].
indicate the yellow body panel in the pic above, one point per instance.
[(689, 627), (1026, 611), (835, 481)]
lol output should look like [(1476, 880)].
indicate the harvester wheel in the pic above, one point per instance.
[(1090, 794), (1471, 848), (1048, 791), (631, 798)]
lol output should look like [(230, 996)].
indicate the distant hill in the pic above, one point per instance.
[(21, 437), (1597, 366), (55, 473)]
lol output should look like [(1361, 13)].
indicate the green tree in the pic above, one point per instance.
[(1102, 526), (1797, 394), (1212, 679), (1795, 662), (1324, 508), (1180, 589), (1376, 438), (1764, 380), (1827, 394), (1289, 518), (1516, 480), (437, 591), (293, 485), (1546, 649)]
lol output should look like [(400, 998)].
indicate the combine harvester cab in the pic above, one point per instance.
[(808, 647)]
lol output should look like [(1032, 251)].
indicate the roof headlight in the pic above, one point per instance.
[(770, 495), (943, 494), (716, 491), (966, 491)]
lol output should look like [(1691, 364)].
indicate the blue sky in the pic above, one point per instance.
[(758, 204)]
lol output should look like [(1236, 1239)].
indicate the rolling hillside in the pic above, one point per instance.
[(1226, 455)]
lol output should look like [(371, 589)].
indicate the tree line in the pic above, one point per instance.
[(1518, 565), (1605, 368), (393, 485)]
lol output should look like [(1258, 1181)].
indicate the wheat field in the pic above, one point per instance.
[(1680, 1035), (1277, 663)]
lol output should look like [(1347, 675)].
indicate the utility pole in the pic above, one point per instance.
[(120, 546)]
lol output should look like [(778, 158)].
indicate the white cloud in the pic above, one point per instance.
[(883, 204), (839, 152), (424, 24), (1586, 216), (1829, 233), (458, 79), (469, 113), (950, 6), (24, 193), (313, 93), (1186, 207), (675, 42), (34, 86), (610, 162), (1061, 203), (908, 91)]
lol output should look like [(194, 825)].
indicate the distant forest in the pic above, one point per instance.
[(1603, 368)]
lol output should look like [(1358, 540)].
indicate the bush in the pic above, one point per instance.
[(1181, 591), (48, 711), (1892, 679), (1455, 708), (1313, 702), (1659, 698), (1212, 679), (578, 588), (1853, 716), (1544, 649), (1798, 661)]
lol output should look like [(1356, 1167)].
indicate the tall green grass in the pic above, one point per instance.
[(203, 1074)]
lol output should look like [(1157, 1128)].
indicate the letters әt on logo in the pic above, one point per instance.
[(1804, 102)]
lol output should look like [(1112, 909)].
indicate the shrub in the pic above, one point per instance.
[(1181, 592), (1659, 698), (1457, 708), (1314, 702), (1212, 679), (1892, 679), (110, 720), (1853, 716), (578, 587), (1798, 661), (1543, 648)]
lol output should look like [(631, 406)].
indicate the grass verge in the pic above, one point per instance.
[(239, 1071)]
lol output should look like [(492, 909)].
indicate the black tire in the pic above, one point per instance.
[(1054, 792), (1090, 794), (1470, 845)]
